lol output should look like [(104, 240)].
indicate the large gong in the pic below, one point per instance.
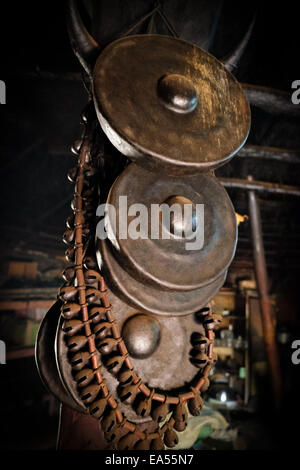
[(173, 262)]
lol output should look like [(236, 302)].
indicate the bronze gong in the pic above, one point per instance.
[(48, 363), (174, 262), (169, 105)]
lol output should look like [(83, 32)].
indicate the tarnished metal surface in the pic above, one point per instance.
[(166, 263), (138, 119), (93, 361), (270, 153), (231, 62), (149, 298)]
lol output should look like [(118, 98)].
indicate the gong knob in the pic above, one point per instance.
[(177, 93), (141, 334), (182, 223)]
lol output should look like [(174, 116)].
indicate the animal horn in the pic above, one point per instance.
[(84, 45), (231, 62)]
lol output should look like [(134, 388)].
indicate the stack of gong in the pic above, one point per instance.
[(178, 114)]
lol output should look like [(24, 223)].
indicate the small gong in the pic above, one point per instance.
[(48, 364), (186, 248), (169, 105)]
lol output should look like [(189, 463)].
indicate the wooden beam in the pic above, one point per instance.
[(20, 353), (270, 153)]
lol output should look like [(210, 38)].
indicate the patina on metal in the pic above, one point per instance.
[(161, 337), (170, 264), (87, 48), (169, 105)]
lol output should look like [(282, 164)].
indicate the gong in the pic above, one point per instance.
[(159, 347), (169, 105), (197, 253)]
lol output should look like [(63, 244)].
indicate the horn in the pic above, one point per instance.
[(84, 45), (231, 62)]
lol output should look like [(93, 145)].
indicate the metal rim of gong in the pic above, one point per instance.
[(147, 297), (137, 117), (46, 359), (65, 369), (65, 372), (168, 264)]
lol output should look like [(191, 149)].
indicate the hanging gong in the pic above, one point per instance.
[(197, 254), (169, 105)]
